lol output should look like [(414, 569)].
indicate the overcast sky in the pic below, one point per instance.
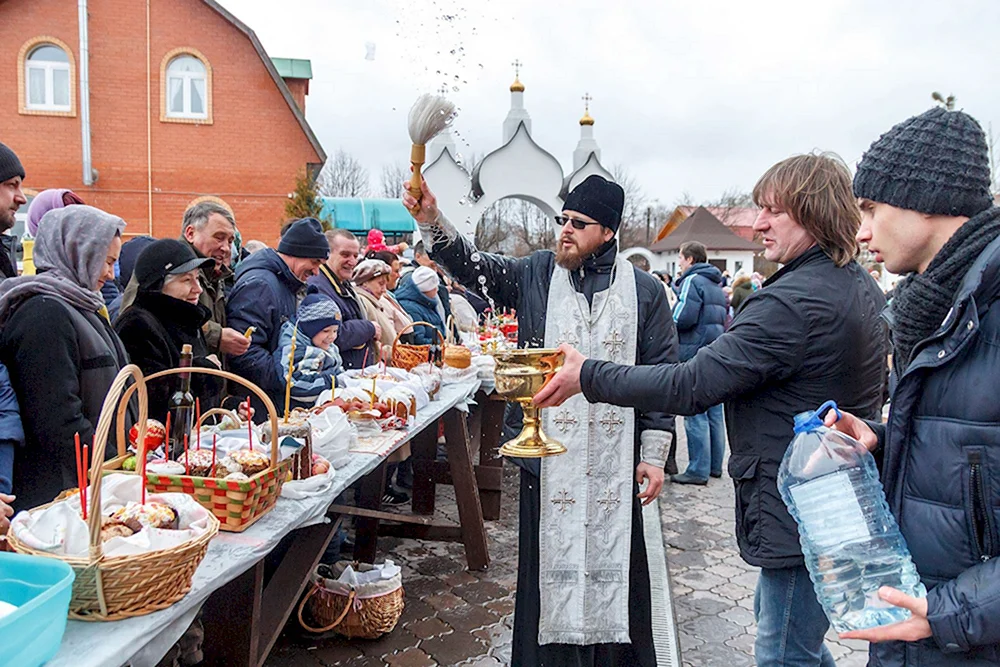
[(695, 97)]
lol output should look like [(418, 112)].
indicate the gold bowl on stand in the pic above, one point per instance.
[(520, 374)]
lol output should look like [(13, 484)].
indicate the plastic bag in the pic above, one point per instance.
[(333, 436)]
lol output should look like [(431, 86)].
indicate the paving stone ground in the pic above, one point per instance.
[(456, 617)]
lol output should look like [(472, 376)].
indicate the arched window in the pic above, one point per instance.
[(186, 88), (47, 79)]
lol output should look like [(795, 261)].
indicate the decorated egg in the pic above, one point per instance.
[(156, 434)]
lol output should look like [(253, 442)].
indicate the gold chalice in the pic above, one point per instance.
[(520, 374)]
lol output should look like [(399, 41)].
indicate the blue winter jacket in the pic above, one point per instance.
[(421, 308), (700, 313), (941, 473), (265, 296), (11, 431), (315, 369)]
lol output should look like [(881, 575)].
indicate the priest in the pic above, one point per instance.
[(583, 584)]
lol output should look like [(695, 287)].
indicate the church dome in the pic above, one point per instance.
[(517, 86)]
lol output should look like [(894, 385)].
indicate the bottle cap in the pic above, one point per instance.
[(807, 422)]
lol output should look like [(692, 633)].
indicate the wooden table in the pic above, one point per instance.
[(485, 426)]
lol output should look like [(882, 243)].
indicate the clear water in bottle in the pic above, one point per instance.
[(851, 542)]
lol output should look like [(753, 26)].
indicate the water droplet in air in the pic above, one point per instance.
[(482, 280), (463, 201), (476, 257)]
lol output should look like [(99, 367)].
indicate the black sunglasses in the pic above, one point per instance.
[(561, 220)]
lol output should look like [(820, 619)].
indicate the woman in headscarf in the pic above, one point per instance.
[(166, 316), (48, 200), (59, 347), (371, 277), (400, 318)]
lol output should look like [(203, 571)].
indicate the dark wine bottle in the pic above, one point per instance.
[(181, 407)]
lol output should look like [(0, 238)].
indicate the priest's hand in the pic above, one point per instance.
[(428, 211), (654, 474), (914, 628), (565, 384)]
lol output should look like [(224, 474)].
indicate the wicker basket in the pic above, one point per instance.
[(407, 356), (112, 589), (355, 615), (237, 505)]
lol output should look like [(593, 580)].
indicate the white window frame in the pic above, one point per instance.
[(48, 67), (187, 82)]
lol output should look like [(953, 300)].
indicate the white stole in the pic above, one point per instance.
[(585, 523)]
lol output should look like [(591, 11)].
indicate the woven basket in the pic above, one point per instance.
[(353, 615), (112, 589), (407, 356), (237, 505)]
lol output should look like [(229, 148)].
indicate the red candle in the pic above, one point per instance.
[(86, 479), (197, 419), (187, 460), (79, 471)]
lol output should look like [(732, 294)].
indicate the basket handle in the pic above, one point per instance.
[(340, 619), (219, 411), (272, 413), (100, 445), (413, 324)]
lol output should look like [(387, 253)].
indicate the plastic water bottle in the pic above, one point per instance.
[(851, 542)]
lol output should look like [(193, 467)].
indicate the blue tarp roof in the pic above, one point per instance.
[(360, 215)]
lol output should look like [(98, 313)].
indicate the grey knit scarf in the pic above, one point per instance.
[(922, 300)]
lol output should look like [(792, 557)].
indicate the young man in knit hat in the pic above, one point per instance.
[(268, 286), (584, 595), (927, 212), (11, 199)]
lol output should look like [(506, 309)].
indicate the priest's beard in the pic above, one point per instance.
[(572, 257)]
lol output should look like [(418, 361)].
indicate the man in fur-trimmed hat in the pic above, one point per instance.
[(583, 585)]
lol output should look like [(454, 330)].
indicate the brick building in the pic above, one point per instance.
[(183, 104)]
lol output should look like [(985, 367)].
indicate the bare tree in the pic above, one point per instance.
[(992, 141), (636, 213), (392, 178), (344, 176)]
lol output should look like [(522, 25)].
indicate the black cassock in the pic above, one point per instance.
[(526, 652)]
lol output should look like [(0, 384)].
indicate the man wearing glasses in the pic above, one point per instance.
[(583, 584)]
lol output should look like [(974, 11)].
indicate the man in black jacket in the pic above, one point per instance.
[(927, 211), (11, 199), (583, 588), (812, 333)]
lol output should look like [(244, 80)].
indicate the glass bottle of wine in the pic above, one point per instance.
[(181, 407)]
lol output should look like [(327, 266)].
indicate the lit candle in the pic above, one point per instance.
[(291, 367)]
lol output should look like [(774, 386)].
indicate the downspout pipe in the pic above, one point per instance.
[(89, 176)]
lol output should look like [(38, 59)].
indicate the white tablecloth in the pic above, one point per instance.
[(146, 639)]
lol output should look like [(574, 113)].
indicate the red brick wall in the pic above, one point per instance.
[(299, 89), (248, 156)]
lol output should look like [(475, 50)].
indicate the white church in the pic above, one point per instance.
[(520, 168)]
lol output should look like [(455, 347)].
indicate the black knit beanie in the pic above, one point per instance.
[(10, 165), (935, 163), (598, 198), (305, 238)]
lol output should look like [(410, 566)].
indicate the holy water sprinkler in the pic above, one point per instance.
[(429, 116)]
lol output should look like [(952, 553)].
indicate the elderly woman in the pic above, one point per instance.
[(166, 316), (400, 318), (371, 278), (59, 347), (419, 296)]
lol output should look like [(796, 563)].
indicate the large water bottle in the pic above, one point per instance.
[(851, 542)]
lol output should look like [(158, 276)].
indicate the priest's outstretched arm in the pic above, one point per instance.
[(747, 356), (494, 277)]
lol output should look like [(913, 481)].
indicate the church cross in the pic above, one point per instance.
[(563, 501), (611, 422), (609, 503), (564, 420), (586, 101), (517, 64), (614, 342)]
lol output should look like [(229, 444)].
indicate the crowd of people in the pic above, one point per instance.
[(99, 299), (638, 351)]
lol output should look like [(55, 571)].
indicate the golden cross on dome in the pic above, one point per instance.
[(517, 64), (586, 101)]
